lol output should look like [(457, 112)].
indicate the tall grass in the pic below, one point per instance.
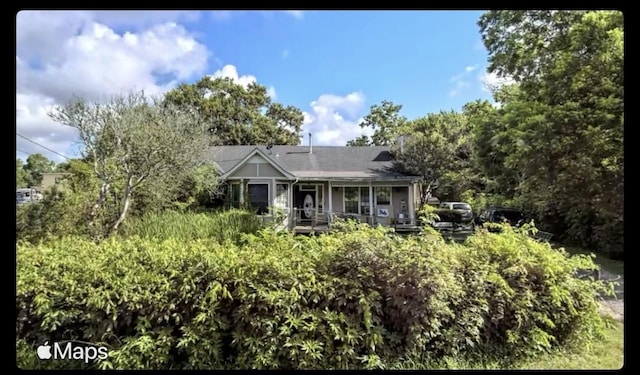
[(187, 226)]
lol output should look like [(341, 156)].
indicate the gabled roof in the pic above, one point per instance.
[(249, 155), (335, 162)]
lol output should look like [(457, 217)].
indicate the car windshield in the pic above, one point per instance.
[(512, 216), (461, 206)]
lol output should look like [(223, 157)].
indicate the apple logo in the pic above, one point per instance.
[(44, 351)]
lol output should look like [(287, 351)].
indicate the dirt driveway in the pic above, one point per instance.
[(614, 305)]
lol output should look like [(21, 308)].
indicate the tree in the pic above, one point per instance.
[(492, 144), (522, 43), (36, 165), (21, 175), (362, 140), (567, 122), (133, 141), (61, 212), (387, 123), (237, 115), (438, 150)]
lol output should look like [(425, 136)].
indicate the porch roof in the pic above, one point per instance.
[(351, 175)]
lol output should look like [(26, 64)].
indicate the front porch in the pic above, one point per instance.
[(313, 205), (322, 222)]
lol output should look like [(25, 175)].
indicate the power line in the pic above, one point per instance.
[(45, 147)]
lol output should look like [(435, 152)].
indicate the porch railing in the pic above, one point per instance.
[(324, 218)]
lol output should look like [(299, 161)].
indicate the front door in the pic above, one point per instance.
[(304, 198)]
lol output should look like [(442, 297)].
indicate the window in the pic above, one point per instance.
[(282, 196), (356, 200), (383, 195), (259, 197), (351, 195), (461, 206), (235, 195), (364, 201)]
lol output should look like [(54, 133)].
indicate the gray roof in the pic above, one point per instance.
[(339, 162)]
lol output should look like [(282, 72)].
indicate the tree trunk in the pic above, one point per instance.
[(126, 202), (104, 190), (425, 193)]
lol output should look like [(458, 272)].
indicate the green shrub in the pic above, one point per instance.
[(58, 214), (360, 297), (186, 226)]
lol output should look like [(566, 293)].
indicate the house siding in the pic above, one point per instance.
[(51, 179), (267, 170), (337, 196), (247, 170)]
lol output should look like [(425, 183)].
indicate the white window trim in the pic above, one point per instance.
[(344, 203), (375, 193)]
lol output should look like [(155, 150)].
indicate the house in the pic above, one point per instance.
[(51, 179), (314, 185)]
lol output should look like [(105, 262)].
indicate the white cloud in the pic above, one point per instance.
[(461, 81), (60, 54), (271, 91), (333, 119), (285, 53), (230, 71), (491, 81), (35, 124), (298, 14)]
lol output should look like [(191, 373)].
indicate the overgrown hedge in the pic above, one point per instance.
[(220, 226), (358, 298)]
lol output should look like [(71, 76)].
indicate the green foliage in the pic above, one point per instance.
[(387, 125), (561, 130), (439, 149), (51, 217), (428, 214), (192, 191), (133, 142), (479, 201), (65, 209), (362, 140), (21, 175), (220, 226), (359, 298), (30, 173), (239, 115)]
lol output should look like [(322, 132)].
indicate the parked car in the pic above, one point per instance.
[(463, 208), (27, 195), (501, 215)]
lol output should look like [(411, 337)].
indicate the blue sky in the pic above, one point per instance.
[(333, 65)]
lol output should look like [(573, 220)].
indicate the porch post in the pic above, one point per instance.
[(292, 210), (411, 198), (241, 190), (371, 202), (329, 196)]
